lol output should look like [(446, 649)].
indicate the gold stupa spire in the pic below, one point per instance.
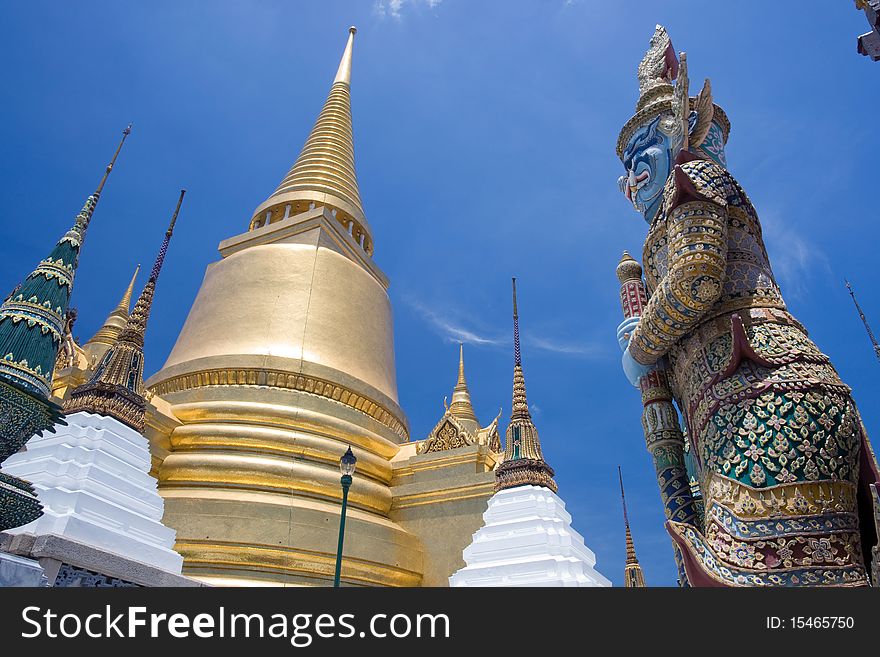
[(461, 406), (523, 462), (116, 388), (324, 173), (632, 572), (343, 74), (105, 336), (125, 301)]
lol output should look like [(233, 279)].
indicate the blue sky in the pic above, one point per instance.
[(485, 136)]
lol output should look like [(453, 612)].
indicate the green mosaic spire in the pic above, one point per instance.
[(32, 317), (31, 324)]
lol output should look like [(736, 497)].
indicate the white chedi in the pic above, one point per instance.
[(527, 540), (93, 479)]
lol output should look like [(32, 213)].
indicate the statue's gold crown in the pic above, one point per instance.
[(656, 73)]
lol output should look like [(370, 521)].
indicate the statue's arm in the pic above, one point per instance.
[(697, 239)]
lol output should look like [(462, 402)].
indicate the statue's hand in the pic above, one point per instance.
[(633, 369), (625, 331)]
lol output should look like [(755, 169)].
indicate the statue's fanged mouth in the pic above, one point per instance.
[(634, 183)]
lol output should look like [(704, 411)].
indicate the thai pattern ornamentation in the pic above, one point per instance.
[(73, 576), (875, 561), (459, 426), (21, 416), (780, 453)]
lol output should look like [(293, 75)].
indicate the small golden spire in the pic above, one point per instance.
[(105, 336), (125, 301), (632, 572), (461, 406), (461, 380)]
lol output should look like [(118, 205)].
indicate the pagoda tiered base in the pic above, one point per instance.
[(527, 540), (92, 477)]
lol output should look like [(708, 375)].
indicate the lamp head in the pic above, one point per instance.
[(348, 462)]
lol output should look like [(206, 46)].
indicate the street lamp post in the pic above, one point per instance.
[(347, 465)]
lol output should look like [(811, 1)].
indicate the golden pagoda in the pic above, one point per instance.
[(286, 359), (632, 571)]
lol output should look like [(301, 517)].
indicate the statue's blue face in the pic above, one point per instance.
[(648, 160)]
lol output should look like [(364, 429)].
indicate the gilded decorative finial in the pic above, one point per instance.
[(523, 462), (864, 320), (461, 406), (633, 576), (628, 269)]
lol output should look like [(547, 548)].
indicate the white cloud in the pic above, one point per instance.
[(452, 326), (795, 260), (393, 8), (452, 329), (586, 350)]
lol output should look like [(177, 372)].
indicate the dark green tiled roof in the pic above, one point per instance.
[(32, 318)]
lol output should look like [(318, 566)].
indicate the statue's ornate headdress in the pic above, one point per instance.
[(658, 95)]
